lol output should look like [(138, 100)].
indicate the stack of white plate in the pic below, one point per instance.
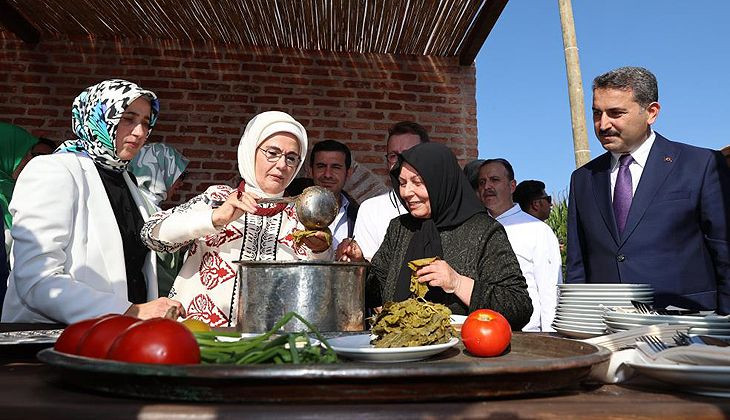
[(579, 313), (717, 326)]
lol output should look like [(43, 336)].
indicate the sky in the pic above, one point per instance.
[(523, 113)]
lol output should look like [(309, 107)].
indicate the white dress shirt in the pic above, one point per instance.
[(640, 155), (538, 253), (338, 227), (373, 219)]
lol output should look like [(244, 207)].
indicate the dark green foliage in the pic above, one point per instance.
[(413, 322)]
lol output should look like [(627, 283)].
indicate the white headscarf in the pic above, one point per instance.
[(261, 127)]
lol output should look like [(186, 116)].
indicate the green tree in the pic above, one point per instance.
[(558, 221)]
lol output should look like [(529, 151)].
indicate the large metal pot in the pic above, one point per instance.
[(328, 294)]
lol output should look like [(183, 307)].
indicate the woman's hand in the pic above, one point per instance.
[(236, 204), (317, 242), (159, 308), (348, 250), (439, 273)]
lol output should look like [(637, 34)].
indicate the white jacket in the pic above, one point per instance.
[(67, 250)]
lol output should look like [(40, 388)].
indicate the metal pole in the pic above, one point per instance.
[(575, 85)]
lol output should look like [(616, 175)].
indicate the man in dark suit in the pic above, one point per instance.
[(649, 210)]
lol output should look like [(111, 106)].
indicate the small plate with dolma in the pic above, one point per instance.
[(358, 348)]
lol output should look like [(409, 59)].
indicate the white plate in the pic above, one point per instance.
[(598, 316), (358, 347), (582, 311), (634, 290), (588, 306), (580, 327), (697, 379), (720, 336), (584, 322), (579, 316), (648, 319), (644, 322), (621, 325), (572, 333), (592, 310), (604, 300), (612, 303), (609, 295), (30, 337), (708, 331), (605, 286), (458, 319)]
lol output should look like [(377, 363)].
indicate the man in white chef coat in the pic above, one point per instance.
[(534, 243)]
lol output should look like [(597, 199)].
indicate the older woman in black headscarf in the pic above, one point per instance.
[(476, 267)]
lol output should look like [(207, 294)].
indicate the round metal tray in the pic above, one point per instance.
[(534, 363)]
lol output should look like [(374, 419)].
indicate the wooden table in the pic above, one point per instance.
[(29, 392)]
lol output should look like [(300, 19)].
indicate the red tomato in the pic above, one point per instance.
[(96, 342), (486, 333), (68, 341), (157, 340)]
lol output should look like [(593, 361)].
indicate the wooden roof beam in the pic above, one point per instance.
[(18, 24), (478, 33)]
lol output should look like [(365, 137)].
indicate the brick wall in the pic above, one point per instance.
[(209, 92)]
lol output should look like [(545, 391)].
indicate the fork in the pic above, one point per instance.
[(682, 339), (655, 344), (647, 308), (642, 307)]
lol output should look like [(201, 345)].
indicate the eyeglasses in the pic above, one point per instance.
[(545, 197), (273, 154), (392, 157)]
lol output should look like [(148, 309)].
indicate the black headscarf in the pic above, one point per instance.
[(452, 203)]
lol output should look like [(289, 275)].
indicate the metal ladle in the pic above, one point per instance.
[(316, 206)]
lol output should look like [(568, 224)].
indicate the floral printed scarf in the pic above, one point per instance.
[(95, 117)]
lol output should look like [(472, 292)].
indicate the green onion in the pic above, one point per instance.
[(264, 349)]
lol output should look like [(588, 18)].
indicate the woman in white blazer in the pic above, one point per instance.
[(77, 217)]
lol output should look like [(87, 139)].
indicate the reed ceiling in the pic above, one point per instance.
[(412, 27)]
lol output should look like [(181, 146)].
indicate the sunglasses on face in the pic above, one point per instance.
[(545, 197)]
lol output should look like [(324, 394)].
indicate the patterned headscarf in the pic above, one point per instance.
[(261, 127), (95, 117), (15, 143), (157, 166)]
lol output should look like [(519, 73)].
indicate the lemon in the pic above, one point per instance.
[(196, 325)]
